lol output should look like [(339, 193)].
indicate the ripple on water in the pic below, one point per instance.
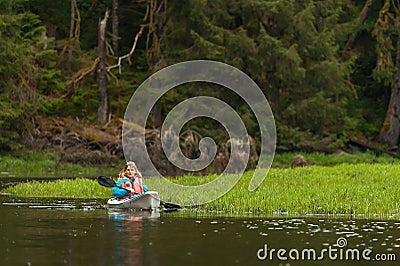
[(54, 204)]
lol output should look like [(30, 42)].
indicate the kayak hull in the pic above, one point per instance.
[(145, 201)]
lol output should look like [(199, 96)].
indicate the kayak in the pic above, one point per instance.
[(146, 201)]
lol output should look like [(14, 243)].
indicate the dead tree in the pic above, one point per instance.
[(361, 18), (103, 106), (115, 22)]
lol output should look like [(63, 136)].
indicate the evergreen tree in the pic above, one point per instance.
[(290, 48), (27, 77), (387, 70)]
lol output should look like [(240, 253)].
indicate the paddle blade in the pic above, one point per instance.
[(105, 181), (169, 205)]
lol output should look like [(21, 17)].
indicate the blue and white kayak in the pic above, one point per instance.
[(145, 201)]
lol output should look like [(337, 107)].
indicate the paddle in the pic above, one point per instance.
[(107, 182)]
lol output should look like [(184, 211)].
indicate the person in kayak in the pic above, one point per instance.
[(129, 182)]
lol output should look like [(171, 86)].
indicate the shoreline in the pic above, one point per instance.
[(46, 164), (356, 190)]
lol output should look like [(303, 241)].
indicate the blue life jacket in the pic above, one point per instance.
[(118, 191)]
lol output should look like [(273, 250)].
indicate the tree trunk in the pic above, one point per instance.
[(361, 18), (72, 25), (390, 131), (102, 111), (115, 22)]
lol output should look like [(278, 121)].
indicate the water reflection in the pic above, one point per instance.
[(132, 215), (129, 234), (75, 232)]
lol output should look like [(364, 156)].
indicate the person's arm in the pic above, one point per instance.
[(145, 189), (119, 192)]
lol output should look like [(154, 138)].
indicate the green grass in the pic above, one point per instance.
[(283, 160), (345, 189), (83, 188), (46, 164), (360, 189), (41, 164)]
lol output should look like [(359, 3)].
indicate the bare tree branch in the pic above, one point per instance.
[(83, 73), (128, 55), (361, 18)]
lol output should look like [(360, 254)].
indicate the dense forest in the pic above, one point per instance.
[(330, 69)]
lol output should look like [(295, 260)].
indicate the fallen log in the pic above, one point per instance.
[(368, 145)]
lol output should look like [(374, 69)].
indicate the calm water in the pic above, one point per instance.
[(48, 232)]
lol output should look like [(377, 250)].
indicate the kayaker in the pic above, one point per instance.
[(130, 179)]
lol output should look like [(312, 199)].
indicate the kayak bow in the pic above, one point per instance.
[(145, 201)]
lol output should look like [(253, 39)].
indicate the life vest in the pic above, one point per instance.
[(126, 183), (137, 185)]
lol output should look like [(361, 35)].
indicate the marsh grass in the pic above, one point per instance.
[(64, 188), (346, 189), (45, 164), (360, 189), (283, 160)]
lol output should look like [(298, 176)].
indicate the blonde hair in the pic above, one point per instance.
[(132, 165)]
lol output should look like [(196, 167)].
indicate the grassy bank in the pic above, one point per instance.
[(343, 189), (283, 160), (45, 164), (358, 189)]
